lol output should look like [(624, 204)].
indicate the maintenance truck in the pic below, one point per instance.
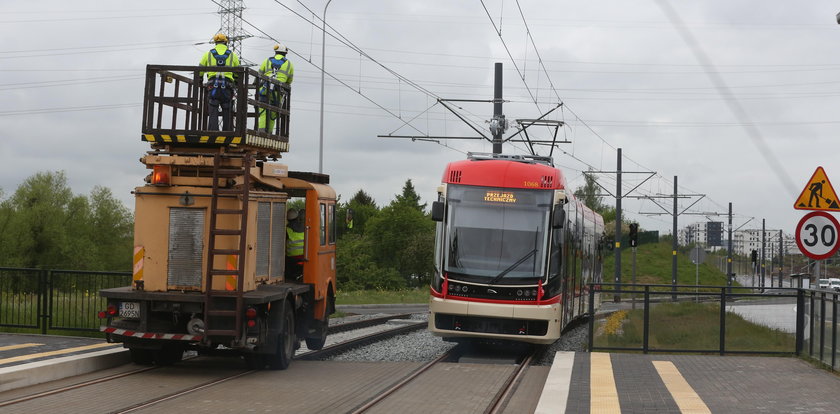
[(211, 272)]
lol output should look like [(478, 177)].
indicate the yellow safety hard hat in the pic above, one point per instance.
[(220, 38), (280, 49)]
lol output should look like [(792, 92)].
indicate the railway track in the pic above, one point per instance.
[(494, 406), (327, 351)]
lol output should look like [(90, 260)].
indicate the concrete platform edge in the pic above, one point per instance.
[(24, 375), (555, 394)]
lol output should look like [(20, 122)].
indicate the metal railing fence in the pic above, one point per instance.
[(716, 319), (697, 319), (57, 300)]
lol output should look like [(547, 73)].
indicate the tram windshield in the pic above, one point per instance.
[(497, 233)]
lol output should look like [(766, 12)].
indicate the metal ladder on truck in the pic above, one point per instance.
[(223, 306)]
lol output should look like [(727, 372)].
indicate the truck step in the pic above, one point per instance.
[(234, 252), (229, 313), (230, 272), (228, 191), (220, 332), (228, 211), (226, 232)]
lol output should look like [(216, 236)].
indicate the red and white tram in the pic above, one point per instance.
[(514, 250)]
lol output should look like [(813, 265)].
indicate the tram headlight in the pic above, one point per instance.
[(519, 292), (464, 288)]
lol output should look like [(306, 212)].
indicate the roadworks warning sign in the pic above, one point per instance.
[(818, 194)]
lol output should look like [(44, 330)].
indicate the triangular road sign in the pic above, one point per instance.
[(818, 194)]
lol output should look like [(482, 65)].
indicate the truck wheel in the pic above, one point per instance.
[(317, 342), (285, 340), (142, 356)]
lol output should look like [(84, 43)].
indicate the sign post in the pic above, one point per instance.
[(697, 256)]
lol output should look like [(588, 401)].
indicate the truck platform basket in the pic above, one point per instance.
[(176, 110)]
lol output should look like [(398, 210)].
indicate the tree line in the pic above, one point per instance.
[(43, 224), (387, 247)]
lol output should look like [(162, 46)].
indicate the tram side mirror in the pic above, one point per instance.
[(559, 217), (437, 211)]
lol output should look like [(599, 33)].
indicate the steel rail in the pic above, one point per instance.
[(327, 351), (364, 323), (333, 349), (180, 393), (360, 341), (497, 404), (394, 388), (73, 387)]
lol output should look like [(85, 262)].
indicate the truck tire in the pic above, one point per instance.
[(285, 340), (316, 342)]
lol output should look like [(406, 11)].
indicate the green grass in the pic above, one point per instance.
[(689, 326), (653, 266), (367, 297)]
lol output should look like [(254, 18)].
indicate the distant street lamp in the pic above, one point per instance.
[(323, 56)]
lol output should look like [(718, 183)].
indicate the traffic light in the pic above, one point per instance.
[(754, 256), (634, 234)]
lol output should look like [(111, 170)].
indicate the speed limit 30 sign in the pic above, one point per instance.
[(817, 235)]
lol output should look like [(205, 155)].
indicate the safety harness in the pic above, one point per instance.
[(220, 81)]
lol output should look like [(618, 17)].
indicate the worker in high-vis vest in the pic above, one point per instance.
[(276, 67), (295, 238), (220, 85)]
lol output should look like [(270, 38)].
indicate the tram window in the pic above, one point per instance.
[(323, 224)]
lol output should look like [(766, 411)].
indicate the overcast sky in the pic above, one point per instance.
[(751, 133)]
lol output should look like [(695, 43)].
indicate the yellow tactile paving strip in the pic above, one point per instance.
[(58, 352), (18, 346), (603, 393), (682, 393)]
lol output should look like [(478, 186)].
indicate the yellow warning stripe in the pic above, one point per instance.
[(58, 352), (602, 390), (18, 346), (139, 253), (205, 139), (687, 400)]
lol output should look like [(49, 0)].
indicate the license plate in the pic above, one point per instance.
[(130, 310)]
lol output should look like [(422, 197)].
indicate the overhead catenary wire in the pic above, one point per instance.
[(333, 77), (356, 48)]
